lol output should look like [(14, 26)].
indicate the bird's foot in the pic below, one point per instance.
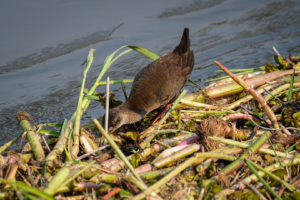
[(160, 114)]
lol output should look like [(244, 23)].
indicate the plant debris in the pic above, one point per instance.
[(235, 139)]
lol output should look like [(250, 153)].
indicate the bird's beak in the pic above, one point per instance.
[(111, 129)]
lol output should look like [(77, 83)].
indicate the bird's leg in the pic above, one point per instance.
[(160, 114), (123, 88)]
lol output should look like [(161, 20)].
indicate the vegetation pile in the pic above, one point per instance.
[(235, 139)]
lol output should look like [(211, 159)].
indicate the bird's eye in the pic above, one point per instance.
[(112, 124)]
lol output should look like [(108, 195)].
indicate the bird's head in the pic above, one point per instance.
[(115, 119)]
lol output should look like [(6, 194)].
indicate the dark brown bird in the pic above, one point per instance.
[(159, 83)]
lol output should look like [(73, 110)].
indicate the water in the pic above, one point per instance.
[(44, 43)]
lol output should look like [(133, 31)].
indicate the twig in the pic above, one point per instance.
[(287, 172), (117, 150), (274, 150), (258, 97), (172, 108), (275, 50), (112, 193), (265, 128), (91, 152), (107, 105), (292, 164), (233, 130), (254, 190), (46, 144), (284, 129), (281, 191), (166, 178), (269, 197), (201, 194), (123, 88), (37, 179), (237, 176), (22, 137)]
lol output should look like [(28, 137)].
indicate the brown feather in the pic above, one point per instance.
[(159, 83)]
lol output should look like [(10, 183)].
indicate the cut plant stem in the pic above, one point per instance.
[(116, 81), (94, 151), (86, 101), (290, 93), (252, 178), (232, 88), (260, 68), (92, 142), (33, 140), (190, 149), (251, 149), (239, 73), (23, 186), (166, 178), (255, 94), (198, 105), (116, 148), (246, 145), (262, 180), (274, 177), (172, 108), (209, 112), (280, 89), (249, 97), (57, 180), (59, 146), (147, 141), (8, 144), (112, 178), (75, 146)]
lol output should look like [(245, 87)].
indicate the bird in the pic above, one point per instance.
[(157, 84)]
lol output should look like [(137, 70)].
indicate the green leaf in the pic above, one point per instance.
[(68, 154), (278, 59), (290, 93), (53, 133), (28, 196), (194, 83), (145, 52), (23, 186), (116, 81), (121, 54), (124, 194), (274, 97), (92, 97), (107, 63), (270, 68), (132, 135), (135, 160), (289, 79), (66, 182), (52, 124)]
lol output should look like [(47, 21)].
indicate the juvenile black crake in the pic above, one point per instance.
[(159, 83)]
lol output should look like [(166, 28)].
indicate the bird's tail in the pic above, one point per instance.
[(185, 43)]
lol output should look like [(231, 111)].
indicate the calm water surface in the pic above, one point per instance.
[(43, 44)]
